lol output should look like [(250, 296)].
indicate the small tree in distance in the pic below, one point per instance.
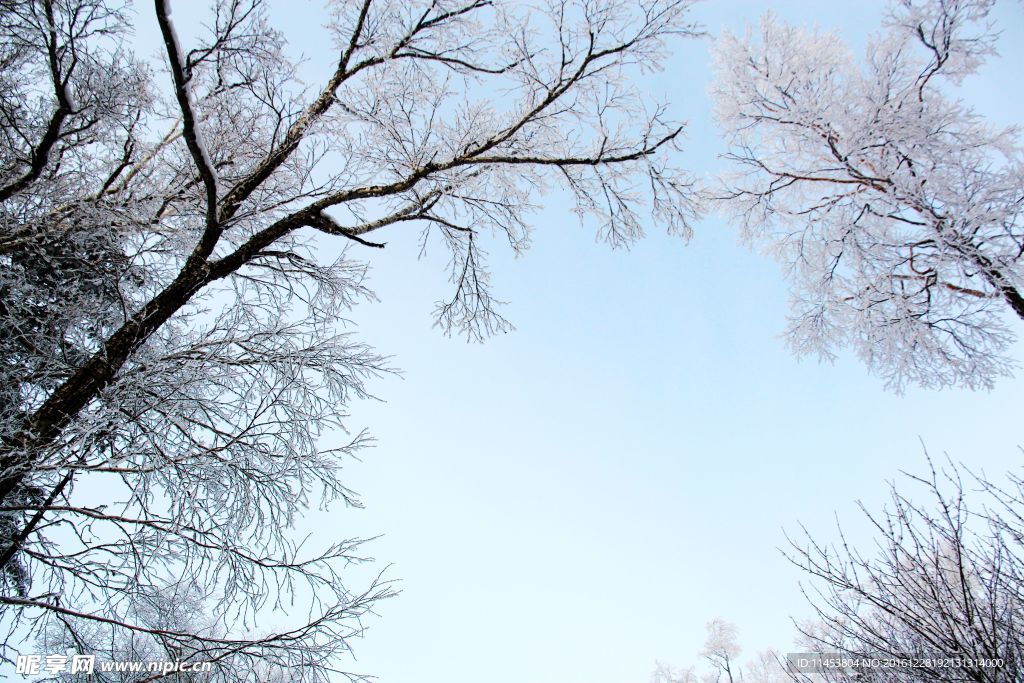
[(896, 211), (172, 341), (721, 651)]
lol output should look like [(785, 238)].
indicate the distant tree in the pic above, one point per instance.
[(896, 211), (666, 673), (943, 581), (721, 651), (172, 338)]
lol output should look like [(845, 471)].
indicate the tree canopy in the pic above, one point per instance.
[(173, 344), (895, 209)]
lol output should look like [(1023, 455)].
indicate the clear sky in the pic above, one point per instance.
[(573, 500)]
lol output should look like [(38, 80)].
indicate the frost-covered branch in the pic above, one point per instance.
[(193, 138), (942, 582)]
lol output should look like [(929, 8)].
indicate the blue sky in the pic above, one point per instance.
[(573, 500)]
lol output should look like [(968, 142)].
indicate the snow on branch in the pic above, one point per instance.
[(895, 210)]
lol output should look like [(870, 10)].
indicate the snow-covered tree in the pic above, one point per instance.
[(722, 653), (172, 339), (895, 209), (944, 582)]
